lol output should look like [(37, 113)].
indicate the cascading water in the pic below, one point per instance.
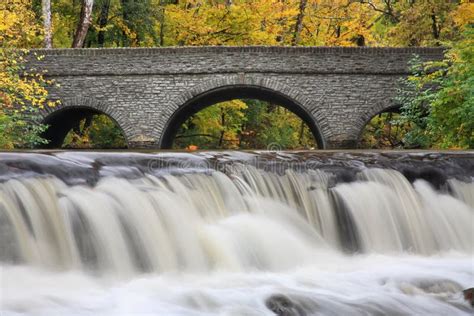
[(236, 233)]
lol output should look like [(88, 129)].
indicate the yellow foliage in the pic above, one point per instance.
[(265, 22), (128, 32), (464, 13), (18, 29), (260, 22), (269, 22), (18, 24)]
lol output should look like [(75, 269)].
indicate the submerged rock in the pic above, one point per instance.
[(282, 305), (469, 295), (435, 176)]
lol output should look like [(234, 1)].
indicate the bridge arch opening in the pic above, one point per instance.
[(83, 128), (245, 101), (383, 130)]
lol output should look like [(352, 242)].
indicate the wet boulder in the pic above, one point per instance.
[(432, 175), (282, 305), (469, 295)]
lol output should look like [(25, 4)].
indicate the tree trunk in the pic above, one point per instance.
[(125, 8), (301, 134), (360, 40), (103, 20), (162, 25), (299, 23), (221, 138), (434, 26), (83, 24), (48, 37)]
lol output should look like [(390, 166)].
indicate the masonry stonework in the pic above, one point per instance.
[(338, 89)]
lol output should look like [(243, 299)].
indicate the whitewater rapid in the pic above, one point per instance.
[(200, 241), (361, 285)]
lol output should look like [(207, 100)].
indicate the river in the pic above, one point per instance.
[(236, 233)]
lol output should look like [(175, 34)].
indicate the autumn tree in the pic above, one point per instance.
[(83, 24), (22, 91), (48, 30), (262, 22), (299, 22), (438, 99)]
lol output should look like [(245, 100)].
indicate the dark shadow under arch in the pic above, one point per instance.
[(227, 93), (61, 121), (392, 109)]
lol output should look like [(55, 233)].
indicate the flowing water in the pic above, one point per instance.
[(236, 233)]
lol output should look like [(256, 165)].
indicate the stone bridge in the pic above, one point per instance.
[(149, 92)]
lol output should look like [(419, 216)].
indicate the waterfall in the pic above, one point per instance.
[(205, 221), (240, 220)]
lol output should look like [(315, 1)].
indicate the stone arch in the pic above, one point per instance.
[(63, 116), (234, 87)]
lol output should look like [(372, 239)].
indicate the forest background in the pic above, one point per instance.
[(436, 103)]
